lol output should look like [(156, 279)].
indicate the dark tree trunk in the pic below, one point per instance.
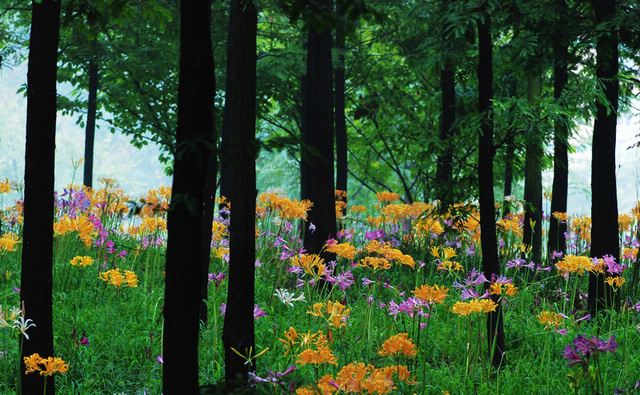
[(90, 130), (509, 157), (190, 217), (488, 238), (316, 165), (37, 254), (559, 192), (444, 168), (532, 234), (604, 205), (225, 156), (341, 124), (238, 329), (444, 165)]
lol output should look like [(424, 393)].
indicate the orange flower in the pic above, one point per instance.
[(399, 344), (550, 319), (386, 197), (431, 294)]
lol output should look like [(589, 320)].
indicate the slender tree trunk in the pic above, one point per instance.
[(532, 234), (190, 217), (341, 124), (509, 156), (316, 166), (37, 254), (238, 329), (444, 167), (604, 205), (90, 130), (488, 238), (557, 228), (225, 156)]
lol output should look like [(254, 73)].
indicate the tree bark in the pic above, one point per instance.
[(190, 217), (604, 204), (37, 253), (90, 130), (488, 237), (444, 167), (532, 232), (238, 331), (316, 165), (560, 188), (340, 121)]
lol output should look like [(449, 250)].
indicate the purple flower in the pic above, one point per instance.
[(258, 312), (160, 359), (366, 281), (312, 227), (570, 354), (589, 346)]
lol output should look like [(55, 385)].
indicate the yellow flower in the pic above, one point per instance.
[(374, 263), (550, 319), (474, 306), (386, 197), (131, 278), (615, 282), (399, 344), (308, 262), (8, 242), (358, 209), (574, 264), (51, 365), (344, 250), (431, 294), (319, 356), (503, 289), (5, 186), (336, 313), (117, 279), (81, 261)]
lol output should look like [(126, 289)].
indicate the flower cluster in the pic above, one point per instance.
[(45, 366), (584, 347), (117, 279), (9, 241), (81, 261), (474, 306), (336, 313), (399, 344)]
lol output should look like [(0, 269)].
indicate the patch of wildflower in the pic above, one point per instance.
[(81, 261), (502, 286), (9, 242), (399, 344), (474, 306), (311, 263), (342, 250), (574, 264), (615, 282), (116, 278), (336, 313), (45, 366), (431, 294), (81, 224), (551, 320), (387, 197), (443, 259)]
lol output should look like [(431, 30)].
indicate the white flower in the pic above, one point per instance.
[(22, 325), (287, 297)]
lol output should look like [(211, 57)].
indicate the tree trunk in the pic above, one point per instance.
[(190, 217), (604, 205), (341, 124), (488, 238), (532, 234), (316, 165), (559, 192), (238, 329), (444, 168), (90, 130), (37, 254)]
